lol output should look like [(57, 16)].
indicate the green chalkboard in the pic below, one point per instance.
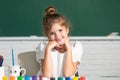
[(87, 17)]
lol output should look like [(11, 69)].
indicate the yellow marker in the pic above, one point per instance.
[(75, 78), (5, 78)]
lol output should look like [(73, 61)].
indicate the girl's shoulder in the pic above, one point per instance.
[(76, 43), (43, 43)]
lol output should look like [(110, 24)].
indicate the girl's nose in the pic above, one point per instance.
[(57, 35)]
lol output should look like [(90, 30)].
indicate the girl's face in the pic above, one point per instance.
[(58, 33)]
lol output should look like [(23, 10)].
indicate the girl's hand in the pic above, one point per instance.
[(51, 45), (67, 44)]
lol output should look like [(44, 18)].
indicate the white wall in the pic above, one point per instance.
[(101, 55)]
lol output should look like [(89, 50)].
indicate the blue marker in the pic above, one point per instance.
[(13, 57), (67, 78), (27, 77)]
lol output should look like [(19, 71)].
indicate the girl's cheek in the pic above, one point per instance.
[(51, 38)]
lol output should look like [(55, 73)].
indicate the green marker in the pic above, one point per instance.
[(60, 78), (19, 78)]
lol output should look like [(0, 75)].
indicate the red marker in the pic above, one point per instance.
[(82, 78), (40, 77)]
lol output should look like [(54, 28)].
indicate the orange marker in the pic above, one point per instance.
[(12, 77)]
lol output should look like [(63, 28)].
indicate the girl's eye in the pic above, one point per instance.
[(60, 30), (51, 33)]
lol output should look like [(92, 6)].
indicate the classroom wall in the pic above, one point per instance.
[(87, 17), (100, 54)]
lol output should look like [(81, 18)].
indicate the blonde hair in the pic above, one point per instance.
[(51, 17)]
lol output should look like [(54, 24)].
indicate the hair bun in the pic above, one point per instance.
[(50, 10)]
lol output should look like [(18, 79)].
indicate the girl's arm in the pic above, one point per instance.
[(47, 64), (69, 66), (47, 61)]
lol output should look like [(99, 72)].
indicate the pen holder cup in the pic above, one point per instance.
[(16, 71)]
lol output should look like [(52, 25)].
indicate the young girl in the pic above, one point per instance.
[(59, 57)]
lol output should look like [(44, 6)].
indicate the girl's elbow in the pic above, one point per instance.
[(68, 74), (47, 75)]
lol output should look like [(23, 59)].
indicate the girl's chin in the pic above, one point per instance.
[(61, 43), (60, 46)]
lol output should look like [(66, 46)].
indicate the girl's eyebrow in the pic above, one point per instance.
[(51, 33)]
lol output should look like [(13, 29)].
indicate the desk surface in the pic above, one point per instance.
[(104, 78)]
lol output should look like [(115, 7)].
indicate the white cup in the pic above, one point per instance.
[(2, 72), (16, 70)]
